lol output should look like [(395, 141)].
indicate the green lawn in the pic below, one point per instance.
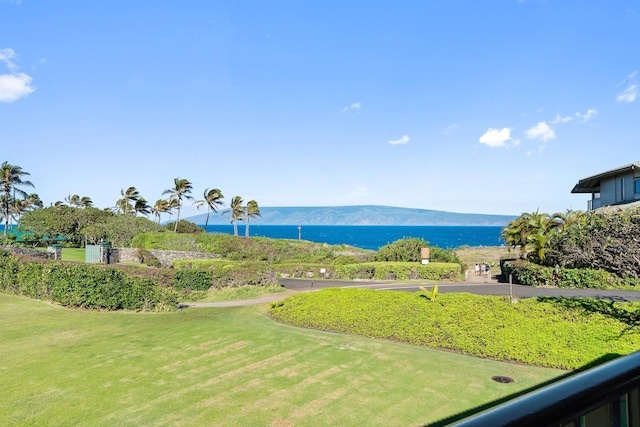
[(73, 254), (226, 366)]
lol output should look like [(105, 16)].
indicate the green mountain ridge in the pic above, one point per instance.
[(359, 215)]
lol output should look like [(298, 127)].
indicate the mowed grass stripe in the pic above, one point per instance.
[(225, 366)]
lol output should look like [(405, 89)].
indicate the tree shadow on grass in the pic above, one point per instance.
[(608, 308)]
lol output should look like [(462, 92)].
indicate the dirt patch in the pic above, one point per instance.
[(481, 254)]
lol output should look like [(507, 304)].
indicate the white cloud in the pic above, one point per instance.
[(355, 106), (400, 141), (15, 85), (6, 56), (541, 131), (561, 119), (450, 128), (631, 92), (591, 113), (497, 137)]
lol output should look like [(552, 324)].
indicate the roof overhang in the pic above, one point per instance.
[(591, 184)]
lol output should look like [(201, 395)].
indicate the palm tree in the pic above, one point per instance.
[(20, 206), (34, 202), (72, 200), (79, 202), (569, 219), (141, 206), (162, 206), (212, 198), (10, 183), (181, 188), (252, 210), (85, 202), (123, 205), (530, 232), (237, 213)]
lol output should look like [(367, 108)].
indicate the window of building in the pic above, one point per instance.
[(636, 186)]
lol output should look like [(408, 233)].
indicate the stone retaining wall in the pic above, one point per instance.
[(165, 257), (30, 252)]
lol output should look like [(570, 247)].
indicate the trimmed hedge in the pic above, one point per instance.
[(552, 332), (83, 285), (530, 274), (402, 271)]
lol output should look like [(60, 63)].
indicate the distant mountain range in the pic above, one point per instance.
[(359, 215)]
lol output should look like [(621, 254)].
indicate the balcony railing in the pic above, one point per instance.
[(605, 395)]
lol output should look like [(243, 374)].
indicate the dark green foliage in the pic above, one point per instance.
[(305, 270), (66, 221), (121, 229), (528, 273), (407, 249), (7, 239), (192, 279), (244, 276), (78, 224), (83, 285), (184, 227), (401, 270), (147, 258), (607, 241), (541, 332)]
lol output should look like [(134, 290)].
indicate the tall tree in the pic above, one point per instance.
[(126, 204), (236, 210), (85, 202), (73, 200), (212, 199), (252, 210), (79, 202), (11, 179), (163, 206), (530, 232), (141, 206), (181, 189)]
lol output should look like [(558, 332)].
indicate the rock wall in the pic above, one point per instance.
[(30, 252), (165, 257)]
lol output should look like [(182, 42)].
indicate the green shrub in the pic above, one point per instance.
[(552, 332), (407, 249), (84, 285), (307, 270), (184, 227), (401, 270), (530, 274), (147, 258), (246, 275), (208, 263), (192, 279), (271, 251)]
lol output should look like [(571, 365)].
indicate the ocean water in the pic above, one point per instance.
[(373, 236)]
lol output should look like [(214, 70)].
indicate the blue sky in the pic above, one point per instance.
[(495, 107)]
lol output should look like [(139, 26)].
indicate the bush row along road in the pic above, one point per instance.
[(489, 288)]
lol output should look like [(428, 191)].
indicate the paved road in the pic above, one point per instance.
[(490, 288)]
